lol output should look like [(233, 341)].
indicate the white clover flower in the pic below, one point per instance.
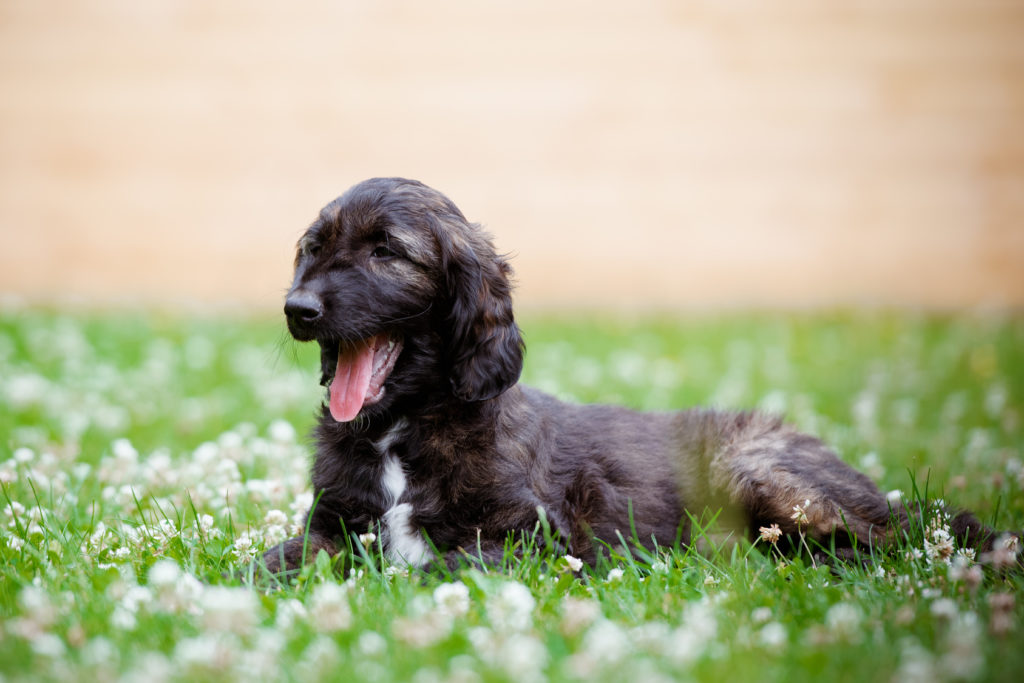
[(522, 657), (48, 645), (574, 563), (511, 609), (123, 619), (960, 564), (149, 667), (329, 609), (244, 549), (423, 630), (913, 554), (301, 504), (770, 534), (206, 527), (944, 608), (773, 635), (174, 590), (605, 642), (98, 651), (234, 610), (226, 474), (14, 510), (164, 531), (689, 641), (37, 607), (124, 451), (615, 574), (263, 659), (392, 570), (940, 548), (1002, 620), (230, 441), (371, 644), (1003, 554), (452, 599), (132, 536), (916, 664), (26, 390), (578, 614), (206, 452), (843, 620), (800, 513), (38, 478), (8, 472), (962, 658), (24, 455), (319, 656), (276, 530), (355, 575), (650, 636), (128, 604), (289, 612), (282, 431), (208, 653)]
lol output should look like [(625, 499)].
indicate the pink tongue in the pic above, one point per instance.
[(351, 380)]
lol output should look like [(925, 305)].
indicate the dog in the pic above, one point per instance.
[(428, 441)]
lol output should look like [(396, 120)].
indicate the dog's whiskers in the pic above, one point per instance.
[(412, 316)]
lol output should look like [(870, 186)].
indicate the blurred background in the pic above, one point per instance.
[(655, 155)]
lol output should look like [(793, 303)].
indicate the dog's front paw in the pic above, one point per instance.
[(296, 552)]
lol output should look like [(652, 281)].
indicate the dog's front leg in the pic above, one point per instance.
[(295, 552)]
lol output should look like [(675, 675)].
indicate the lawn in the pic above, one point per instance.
[(146, 459)]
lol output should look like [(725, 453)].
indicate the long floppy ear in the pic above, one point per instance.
[(485, 348)]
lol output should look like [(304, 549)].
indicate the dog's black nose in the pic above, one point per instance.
[(303, 307)]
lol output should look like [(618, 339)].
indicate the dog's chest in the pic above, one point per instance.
[(403, 543)]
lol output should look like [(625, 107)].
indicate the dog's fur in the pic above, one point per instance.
[(455, 451)]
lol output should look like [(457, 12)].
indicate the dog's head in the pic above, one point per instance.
[(401, 291)]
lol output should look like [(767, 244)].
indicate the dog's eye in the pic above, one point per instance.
[(309, 247), (382, 252)]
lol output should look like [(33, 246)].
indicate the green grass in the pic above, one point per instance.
[(145, 459)]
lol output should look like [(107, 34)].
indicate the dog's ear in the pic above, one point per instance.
[(485, 347)]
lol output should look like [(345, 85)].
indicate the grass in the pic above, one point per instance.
[(145, 459)]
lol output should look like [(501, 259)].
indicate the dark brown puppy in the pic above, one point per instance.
[(427, 434)]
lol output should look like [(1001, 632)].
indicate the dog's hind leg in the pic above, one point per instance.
[(771, 474), (777, 475)]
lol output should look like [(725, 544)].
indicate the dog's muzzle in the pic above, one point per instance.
[(303, 309)]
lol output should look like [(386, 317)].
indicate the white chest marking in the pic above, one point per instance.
[(404, 543), (393, 481)]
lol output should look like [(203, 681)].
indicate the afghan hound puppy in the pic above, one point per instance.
[(428, 441)]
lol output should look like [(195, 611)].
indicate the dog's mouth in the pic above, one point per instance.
[(360, 374)]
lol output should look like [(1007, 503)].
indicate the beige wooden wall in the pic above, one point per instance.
[(704, 153)]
